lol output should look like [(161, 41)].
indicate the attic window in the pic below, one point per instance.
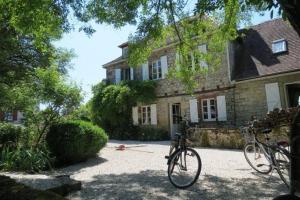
[(125, 51), (279, 46)]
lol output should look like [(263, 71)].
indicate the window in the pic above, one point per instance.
[(156, 72), (125, 51), (209, 109), (8, 116), (144, 115), (176, 113), (125, 74), (279, 46)]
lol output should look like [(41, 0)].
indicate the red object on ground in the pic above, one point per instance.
[(121, 147)]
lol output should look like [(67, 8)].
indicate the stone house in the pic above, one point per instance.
[(258, 72)]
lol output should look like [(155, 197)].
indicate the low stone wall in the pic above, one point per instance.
[(218, 138), (231, 138)]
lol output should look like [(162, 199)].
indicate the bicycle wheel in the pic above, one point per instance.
[(184, 168), (256, 158), (282, 163)]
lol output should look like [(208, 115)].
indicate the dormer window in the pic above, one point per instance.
[(279, 46), (125, 51)]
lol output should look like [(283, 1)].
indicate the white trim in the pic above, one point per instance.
[(208, 110)]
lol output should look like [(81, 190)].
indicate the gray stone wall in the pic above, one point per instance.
[(250, 96)]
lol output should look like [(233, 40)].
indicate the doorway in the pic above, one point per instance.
[(293, 94), (175, 117)]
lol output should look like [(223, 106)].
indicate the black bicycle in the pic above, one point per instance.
[(184, 163), (265, 157)]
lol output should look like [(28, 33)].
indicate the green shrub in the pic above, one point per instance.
[(75, 141), (24, 159), (9, 134), (148, 133)]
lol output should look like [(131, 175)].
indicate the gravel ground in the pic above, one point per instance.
[(140, 172)]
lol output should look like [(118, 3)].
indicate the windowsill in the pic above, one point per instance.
[(209, 120)]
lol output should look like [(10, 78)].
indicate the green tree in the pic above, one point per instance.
[(55, 98), (111, 105)]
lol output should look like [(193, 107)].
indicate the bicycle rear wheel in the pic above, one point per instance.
[(282, 163), (256, 158), (184, 168)]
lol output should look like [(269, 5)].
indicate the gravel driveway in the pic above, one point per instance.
[(139, 172)]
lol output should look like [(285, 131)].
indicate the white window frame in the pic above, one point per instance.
[(209, 113), (125, 51), (157, 66), (145, 120), (9, 116), (283, 46)]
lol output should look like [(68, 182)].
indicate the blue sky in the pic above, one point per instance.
[(92, 52)]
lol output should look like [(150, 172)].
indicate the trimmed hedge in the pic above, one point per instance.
[(75, 141)]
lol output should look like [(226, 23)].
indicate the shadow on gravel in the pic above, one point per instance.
[(155, 185), (75, 168)]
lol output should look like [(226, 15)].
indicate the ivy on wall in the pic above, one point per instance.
[(111, 105)]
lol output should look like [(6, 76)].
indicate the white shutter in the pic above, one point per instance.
[(194, 110), (131, 73), (221, 105), (164, 66), (135, 115), (117, 75), (203, 49), (145, 71), (273, 96), (153, 114)]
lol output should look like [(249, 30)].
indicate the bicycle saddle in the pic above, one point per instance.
[(266, 131), (283, 143)]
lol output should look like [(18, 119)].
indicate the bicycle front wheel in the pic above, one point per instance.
[(282, 163), (184, 168), (256, 158)]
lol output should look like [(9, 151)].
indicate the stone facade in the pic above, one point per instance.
[(241, 98), (250, 96)]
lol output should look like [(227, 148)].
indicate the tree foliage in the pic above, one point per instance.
[(111, 105)]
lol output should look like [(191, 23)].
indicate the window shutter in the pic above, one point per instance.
[(153, 114), (117, 75), (203, 49), (273, 96), (145, 71), (15, 116), (135, 115), (194, 110), (221, 105), (131, 73), (164, 66)]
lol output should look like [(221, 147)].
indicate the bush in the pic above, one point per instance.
[(24, 159), (152, 134), (9, 134), (75, 141)]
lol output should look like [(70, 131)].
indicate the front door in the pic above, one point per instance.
[(175, 115)]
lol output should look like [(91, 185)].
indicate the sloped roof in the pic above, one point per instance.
[(115, 61), (253, 53)]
